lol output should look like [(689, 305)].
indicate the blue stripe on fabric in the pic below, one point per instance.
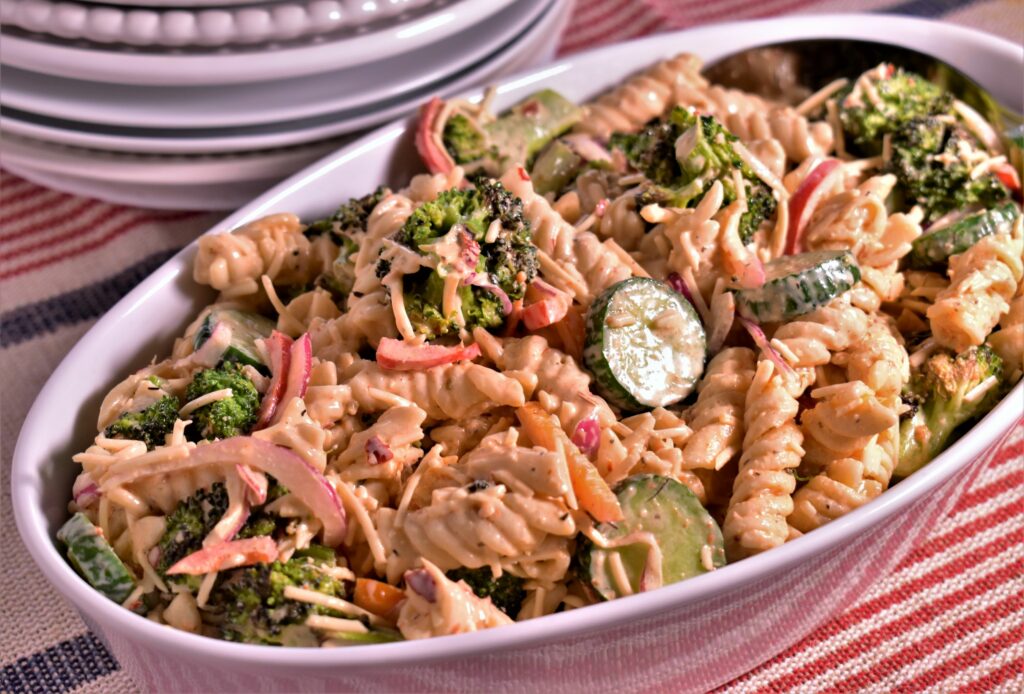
[(92, 301), (927, 8), (59, 668)]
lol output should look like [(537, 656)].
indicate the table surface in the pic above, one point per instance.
[(948, 618)]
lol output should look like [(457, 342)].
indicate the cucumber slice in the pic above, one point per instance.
[(94, 558), (933, 249), (662, 509), (246, 328), (555, 168), (798, 284), (645, 344), (532, 124)]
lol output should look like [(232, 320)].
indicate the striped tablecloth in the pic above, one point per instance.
[(949, 618)]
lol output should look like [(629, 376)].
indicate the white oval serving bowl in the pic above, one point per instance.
[(691, 635)]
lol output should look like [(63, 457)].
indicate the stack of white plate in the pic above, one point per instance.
[(204, 103)]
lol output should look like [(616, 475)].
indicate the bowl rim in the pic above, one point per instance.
[(26, 478)]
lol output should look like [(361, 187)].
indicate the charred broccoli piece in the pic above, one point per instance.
[(933, 161), (464, 141), (507, 593), (683, 156), (883, 100), (189, 523), (948, 392), (454, 230), (351, 216), (231, 416), (517, 136), (255, 609), (150, 425)]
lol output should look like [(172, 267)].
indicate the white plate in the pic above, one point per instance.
[(534, 47), (240, 65), (697, 633), (222, 26), (224, 196), (267, 102)]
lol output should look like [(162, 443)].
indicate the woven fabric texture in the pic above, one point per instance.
[(950, 617)]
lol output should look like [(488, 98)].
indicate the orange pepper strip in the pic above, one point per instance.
[(379, 598), (592, 492)]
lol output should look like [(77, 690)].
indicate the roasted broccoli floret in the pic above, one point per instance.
[(683, 156), (455, 230), (883, 100), (189, 523), (231, 416), (948, 392), (517, 136), (351, 216), (507, 593), (464, 141), (255, 609), (933, 161), (150, 425)]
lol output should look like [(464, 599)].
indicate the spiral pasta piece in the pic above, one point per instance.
[(812, 339), (1008, 341), (717, 418), (641, 97), (749, 117), (622, 222), (274, 246), (755, 520), (982, 281)]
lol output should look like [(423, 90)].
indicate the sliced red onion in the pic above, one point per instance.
[(85, 490), (470, 254), (300, 366), (677, 283), (587, 436), (377, 451), (761, 340), (422, 583), (435, 158), (227, 555), (480, 280), (539, 286), (301, 479), (278, 347), (255, 481), (806, 199)]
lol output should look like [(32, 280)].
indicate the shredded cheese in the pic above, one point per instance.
[(819, 97), (203, 400), (325, 623)]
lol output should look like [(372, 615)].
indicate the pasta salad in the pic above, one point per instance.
[(596, 350)]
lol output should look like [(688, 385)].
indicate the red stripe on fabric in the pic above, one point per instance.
[(872, 608), (918, 650), (1004, 456), (980, 495), (964, 660), (70, 234), (83, 205), (96, 243), (940, 543), (606, 31), (993, 679), (23, 195)]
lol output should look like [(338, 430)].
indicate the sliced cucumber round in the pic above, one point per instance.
[(94, 558), (663, 511), (645, 344), (933, 249), (798, 284), (245, 327)]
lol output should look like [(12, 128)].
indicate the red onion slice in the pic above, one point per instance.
[(761, 340), (398, 355), (587, 436), (435, 158), (279, 349), (256, 482), (377, 451), (422, 583), (300, 366), (806, 199), (677, 283)]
